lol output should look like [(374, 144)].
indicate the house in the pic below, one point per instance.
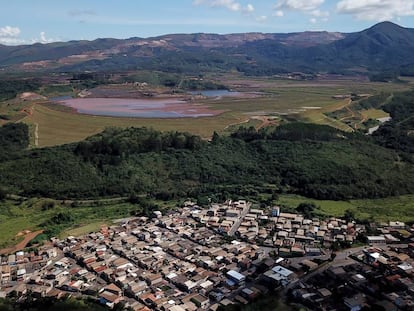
[(109, 299), (21, 273), (396, 225), (336, 272), (285, 273), (376, 240), (249, 293), (355, 303), (324, 292), (313, 251), (309, 265), (110, 295), (279, 276), (235, 277), (200, 301), (232, 213), (112, 288)]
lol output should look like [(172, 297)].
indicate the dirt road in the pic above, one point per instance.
[(21, 245)]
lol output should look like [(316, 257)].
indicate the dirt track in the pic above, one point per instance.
[(18, 247)]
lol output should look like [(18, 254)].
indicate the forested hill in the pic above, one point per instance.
[(316, 161), (399, 132)]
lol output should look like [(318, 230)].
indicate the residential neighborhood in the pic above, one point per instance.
[(201, 258)]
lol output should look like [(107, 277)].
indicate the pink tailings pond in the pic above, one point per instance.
[(139, 108)]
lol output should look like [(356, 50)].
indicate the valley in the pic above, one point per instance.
[(131, 163)]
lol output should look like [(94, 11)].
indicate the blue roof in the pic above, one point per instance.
[(236, 276)]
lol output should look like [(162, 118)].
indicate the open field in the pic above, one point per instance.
[(83, 229), (393, 208), (374, 114), (57, 127), (22, 244), (307, 101), (17, 216)]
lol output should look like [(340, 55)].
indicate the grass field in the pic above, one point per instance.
[(17, 216), (58, 127), (374, 114), (84, 229), (393, 208)]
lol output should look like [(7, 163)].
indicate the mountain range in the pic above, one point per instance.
[(383, 47)]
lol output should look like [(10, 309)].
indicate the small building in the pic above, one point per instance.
[(236, 277), (313, 251), (376, 240), (396, 224), (200, 301), (355, 303), (285, 273), (232, 213)]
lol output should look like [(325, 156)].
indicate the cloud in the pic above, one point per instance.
[(319, 13), (249, 8), (376, 10), (279, 13), (43, 38), (78, 12), (11, 41), (231, 5), (10, 35), (311, 7), (9, 32), (298, 5), (261, 19)]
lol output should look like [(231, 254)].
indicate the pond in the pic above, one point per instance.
[(215, 93), (140, 108)]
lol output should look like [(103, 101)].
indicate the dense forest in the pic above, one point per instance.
[(312, 160), (398, 133), (10, 88), (14, 136)]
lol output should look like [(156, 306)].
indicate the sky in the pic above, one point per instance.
[(44, 21)]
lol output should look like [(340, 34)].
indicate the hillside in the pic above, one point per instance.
[(384, 46), (315, 161)]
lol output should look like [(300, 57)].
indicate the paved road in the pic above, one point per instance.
[(243, 214)]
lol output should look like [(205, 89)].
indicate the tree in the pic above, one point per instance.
[(349, 215), (203, 201), (215, 138), (133, 198), (306, 209), (3, 194)]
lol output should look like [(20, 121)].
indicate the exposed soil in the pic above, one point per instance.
[(28, 236)]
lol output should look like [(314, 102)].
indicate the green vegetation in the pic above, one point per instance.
[(361, 114), (10, 88), (13, 136), (315, 161), (56, 218), (398, 133), (384, 209)]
